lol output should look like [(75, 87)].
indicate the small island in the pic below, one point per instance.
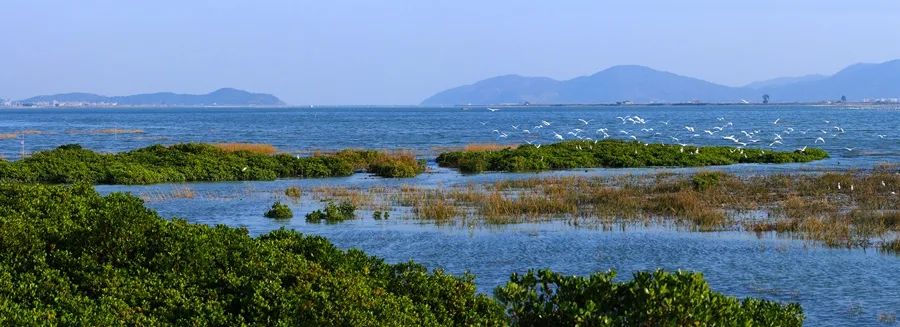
[(614, 154), (199, 162)]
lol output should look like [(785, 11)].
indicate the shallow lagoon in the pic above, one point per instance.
[(836, 287)]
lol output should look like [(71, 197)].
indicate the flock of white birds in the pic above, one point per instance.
[(640, 129)]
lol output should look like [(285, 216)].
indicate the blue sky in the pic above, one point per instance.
[(399, 52)]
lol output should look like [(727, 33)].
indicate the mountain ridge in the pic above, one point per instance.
[(641, 84), (220, 97)]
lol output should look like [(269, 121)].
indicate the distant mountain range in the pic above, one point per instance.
[(639, 84), (220, 97)]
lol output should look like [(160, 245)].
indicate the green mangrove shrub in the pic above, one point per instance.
[(546, 298), (279, 211), (705, 180), (333, 213), (71, 257), (193, 162), (379, 215), (615, 154)]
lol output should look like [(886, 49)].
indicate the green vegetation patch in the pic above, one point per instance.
[(614, 153), (546, 298), (333, 213), (194, 162), (69, 256), (279, 211)]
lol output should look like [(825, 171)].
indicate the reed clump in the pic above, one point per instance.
[(293, 192), (358, 197), (488, 147), (891, 246), (180, 192), (258, 148)]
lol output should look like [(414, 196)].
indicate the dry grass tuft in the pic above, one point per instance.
[(358, 197), (31, 132), (105, 131), (293, 192), (180, 192), (487, 147), (249, 147)]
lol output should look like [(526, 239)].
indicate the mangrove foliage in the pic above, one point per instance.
[(197, 162), (69, 256), (615, 154)]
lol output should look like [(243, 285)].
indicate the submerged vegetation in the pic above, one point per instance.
[(69, 256), (194, 162), (613, 153), (847, 209)]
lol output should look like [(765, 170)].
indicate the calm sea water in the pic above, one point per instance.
[(872, 132), (837, 287)]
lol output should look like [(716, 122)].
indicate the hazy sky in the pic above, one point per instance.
[(399, 52)]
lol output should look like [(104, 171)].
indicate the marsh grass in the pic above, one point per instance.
[(258, 148), (104, 131), (488, 147), (358, 197), (808, 205), (179, 192), (15, 134), (891, 246), (293, 192)]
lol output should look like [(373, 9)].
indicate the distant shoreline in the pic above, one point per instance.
[(533, 105)]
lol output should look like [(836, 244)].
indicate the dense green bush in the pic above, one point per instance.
[(707, 179), (194, 162), (546, 298), (613, 153), (333, 213), (279, 211), (71, 257)]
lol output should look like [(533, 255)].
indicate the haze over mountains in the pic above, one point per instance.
[(639, 84), (220, 97)]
